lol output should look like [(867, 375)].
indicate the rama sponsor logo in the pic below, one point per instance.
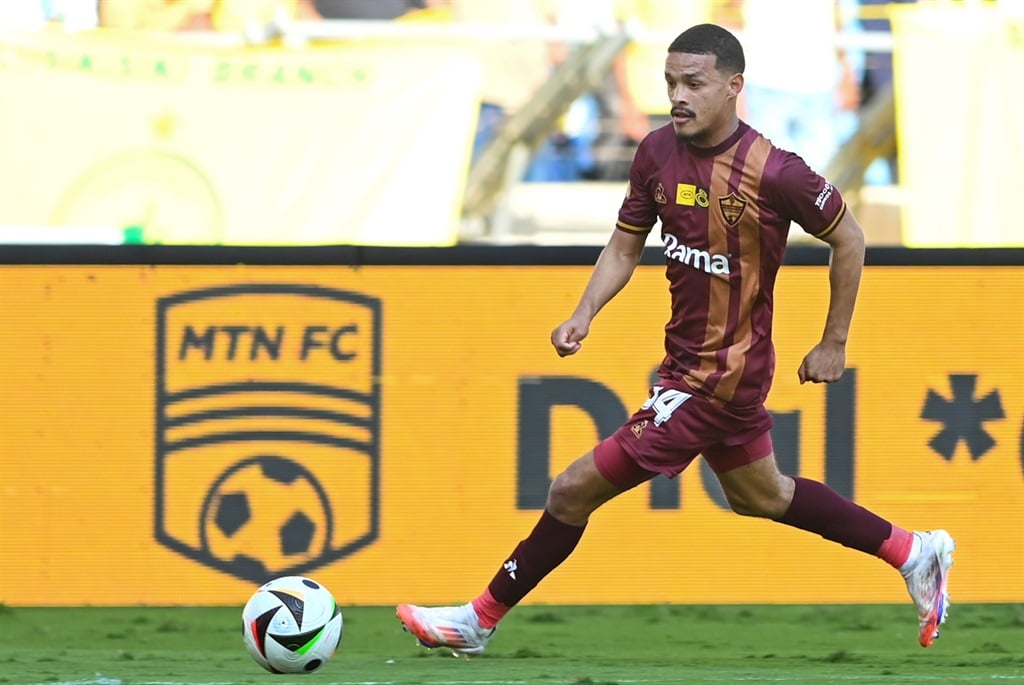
[(698, 259)]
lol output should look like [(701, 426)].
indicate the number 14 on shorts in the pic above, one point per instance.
[(664, 402)]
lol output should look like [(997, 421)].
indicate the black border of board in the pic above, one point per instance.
[(462, 255)]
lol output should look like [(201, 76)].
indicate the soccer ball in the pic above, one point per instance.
[(291, 625)]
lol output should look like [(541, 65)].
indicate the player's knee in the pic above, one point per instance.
[(765, 504), (746, 506), (763, 495), (568, 500)]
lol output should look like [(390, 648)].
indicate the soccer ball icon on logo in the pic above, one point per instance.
[(291, 625), (264, 516)]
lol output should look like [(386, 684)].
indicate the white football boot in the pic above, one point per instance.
[(457, 628), (927, 581)]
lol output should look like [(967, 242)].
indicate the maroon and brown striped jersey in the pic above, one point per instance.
[(725, 214)]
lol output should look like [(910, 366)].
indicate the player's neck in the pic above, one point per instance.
[(722, 134)]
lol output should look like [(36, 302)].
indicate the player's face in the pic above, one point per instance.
[(703, 99)]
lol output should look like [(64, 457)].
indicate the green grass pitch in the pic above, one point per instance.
[(579, 645)]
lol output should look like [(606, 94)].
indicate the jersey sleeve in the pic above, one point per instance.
[(801, 195), (639, 211)]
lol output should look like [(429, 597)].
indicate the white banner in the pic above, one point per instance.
[(959, 117), (340, 144)]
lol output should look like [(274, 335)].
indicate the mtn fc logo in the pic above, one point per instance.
[(267, 426)]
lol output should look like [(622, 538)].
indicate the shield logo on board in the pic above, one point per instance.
[(267, 426)]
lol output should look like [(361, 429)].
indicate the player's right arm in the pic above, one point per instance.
[(614, 268)]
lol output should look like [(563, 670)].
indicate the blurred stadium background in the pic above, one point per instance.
[(305, 122)]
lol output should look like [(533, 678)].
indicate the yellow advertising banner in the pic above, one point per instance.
[(960, 164), (176, 434), (228, 145)]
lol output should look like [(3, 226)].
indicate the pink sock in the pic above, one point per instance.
[(489, 610), (897, 547)]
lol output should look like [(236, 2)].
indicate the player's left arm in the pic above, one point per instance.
[(826, 362)]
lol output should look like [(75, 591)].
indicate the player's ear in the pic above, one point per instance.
[(735, 85)]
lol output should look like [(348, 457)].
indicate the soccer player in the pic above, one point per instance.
[(725, 197)]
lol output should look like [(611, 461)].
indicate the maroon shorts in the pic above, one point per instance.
[(672, 428)]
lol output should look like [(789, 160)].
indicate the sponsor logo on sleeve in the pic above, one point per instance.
[(823, 196)]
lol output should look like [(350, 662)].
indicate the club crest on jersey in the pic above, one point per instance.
[(732, 208), (691, 256)]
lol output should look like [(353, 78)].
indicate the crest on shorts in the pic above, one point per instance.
[(732, 208), (638, 428)]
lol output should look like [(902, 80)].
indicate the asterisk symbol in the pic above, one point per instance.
[(962, 417)]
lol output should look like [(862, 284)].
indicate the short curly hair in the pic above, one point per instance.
[(711, 39)]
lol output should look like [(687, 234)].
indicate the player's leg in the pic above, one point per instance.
[(750, 478), (667, 435), (577, 492), (754, 486), (574, 495)]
